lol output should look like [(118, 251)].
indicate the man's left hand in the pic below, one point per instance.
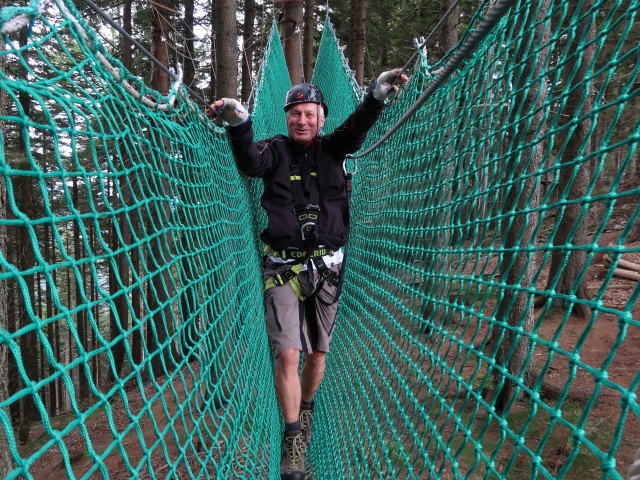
[(385, 86)]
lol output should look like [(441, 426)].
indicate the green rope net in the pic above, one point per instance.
[(488, 326)]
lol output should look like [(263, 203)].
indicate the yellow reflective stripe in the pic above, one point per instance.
[(295, 284), (295, 177), (314, 174)]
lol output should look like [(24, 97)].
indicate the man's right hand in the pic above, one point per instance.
[(231, 111)]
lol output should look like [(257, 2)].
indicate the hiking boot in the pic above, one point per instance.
[(306, 415), (293, 452)]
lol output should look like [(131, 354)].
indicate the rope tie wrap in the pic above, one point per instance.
[(13, 19)]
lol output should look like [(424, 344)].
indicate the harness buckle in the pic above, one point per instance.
[(308, 231)]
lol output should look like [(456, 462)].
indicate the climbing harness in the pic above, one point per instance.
[(306, 197)]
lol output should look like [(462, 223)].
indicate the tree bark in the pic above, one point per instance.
[(49, 313), (307, 45), (248, 42), (5, 456), (213, 78), (134, 255), (358, 37), (160, 286), (226, 49), (449, 30), (81, 316), (518, 265), (566, 275), (292, 16), (189, 73), (127, 47), (25, 260), (116, 324)]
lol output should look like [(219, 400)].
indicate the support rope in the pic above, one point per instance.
[(495, 13)]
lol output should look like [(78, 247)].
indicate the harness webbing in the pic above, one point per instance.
[(306, 197)]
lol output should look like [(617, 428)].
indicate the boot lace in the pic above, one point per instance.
[(294, 449)]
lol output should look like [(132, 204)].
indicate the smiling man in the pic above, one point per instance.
[(307, 208)]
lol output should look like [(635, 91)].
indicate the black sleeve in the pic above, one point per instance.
[(349, 137), (253, 158)]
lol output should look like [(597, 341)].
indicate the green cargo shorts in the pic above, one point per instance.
[(305, 326)]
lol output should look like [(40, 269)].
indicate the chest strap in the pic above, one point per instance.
[(306, 201), (297, 254)]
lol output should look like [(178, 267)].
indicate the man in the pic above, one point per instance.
[(307, 207)]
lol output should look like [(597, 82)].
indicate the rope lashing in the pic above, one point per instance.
[(13, 18), (172, 74)]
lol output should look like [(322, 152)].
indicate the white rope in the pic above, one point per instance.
[(115, 72), (15, 24), (18, 17)]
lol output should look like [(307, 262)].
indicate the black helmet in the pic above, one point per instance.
[(303, 93)]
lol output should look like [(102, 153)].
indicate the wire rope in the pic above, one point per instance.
[(493, 17), (435, 29)]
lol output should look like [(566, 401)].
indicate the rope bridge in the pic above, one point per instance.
[(488, 326)]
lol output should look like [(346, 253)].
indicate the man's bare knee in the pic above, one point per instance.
[(288, 359), (316, 360)]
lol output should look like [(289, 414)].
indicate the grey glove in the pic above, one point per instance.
[(232, 111), (384, 85)]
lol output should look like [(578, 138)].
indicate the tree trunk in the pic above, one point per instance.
[(127, 47), (189, 73), (518, 266), (358, 37), (248, 42), (50, 327), (160, 26), (309, 28), (292, 16), (5, 456), (226, 49), (116, 324), (69, 349), (57, 332), (136, 348), (95, 360), (81, 316), (159, 288), (213, 78), (25, 260), (449, 30), (136, 307), (566, 273)]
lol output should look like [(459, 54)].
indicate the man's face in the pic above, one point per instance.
[(303, 122)]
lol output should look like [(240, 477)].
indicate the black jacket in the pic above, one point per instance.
[(270, 159)]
